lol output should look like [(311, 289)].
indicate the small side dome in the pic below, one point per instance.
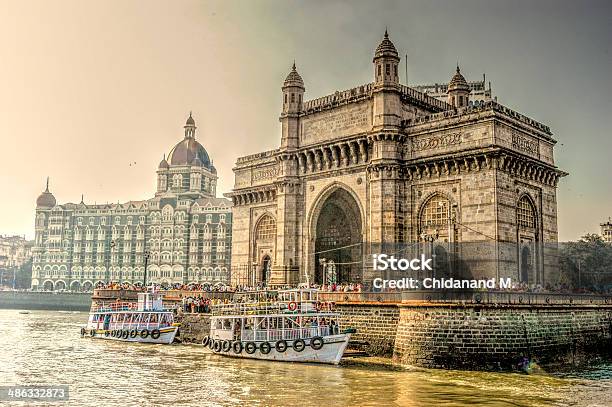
[(163, 164), (458, 82), (386, 48), (46, 199), (294, 79)]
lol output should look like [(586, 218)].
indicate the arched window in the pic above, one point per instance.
[(436, 212), (266, 228), (525, 213)]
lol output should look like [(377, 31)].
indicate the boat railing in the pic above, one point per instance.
[(260, 308), (272, 335), (278, 307), (114, 306)]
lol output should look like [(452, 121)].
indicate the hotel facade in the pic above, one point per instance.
[(182, 234)]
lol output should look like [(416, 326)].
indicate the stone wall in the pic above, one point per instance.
[(35, 300), (497, 337), (194, 327), (376, 324)]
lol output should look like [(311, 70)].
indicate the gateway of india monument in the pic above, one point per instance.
[(386, 164)]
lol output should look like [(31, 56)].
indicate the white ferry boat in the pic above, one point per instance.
[(144, 321), (293, 327)]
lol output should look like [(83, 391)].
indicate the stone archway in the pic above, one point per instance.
[(48, 285), (337, 232), (75, 286), (266, 265)]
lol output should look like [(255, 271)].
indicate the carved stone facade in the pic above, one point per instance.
[(383, 163)]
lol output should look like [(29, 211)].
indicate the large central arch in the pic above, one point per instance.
[(337, 237)]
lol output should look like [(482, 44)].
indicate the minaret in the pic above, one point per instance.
[(458, 90), (190, 127), (293, 94), (386, 91), (386, 61), (162, 176)]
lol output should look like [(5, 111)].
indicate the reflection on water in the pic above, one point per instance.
[(46, 348)]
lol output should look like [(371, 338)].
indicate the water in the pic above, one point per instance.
[(45, 347)]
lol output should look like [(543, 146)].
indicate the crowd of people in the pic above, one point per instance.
[(340, 288)]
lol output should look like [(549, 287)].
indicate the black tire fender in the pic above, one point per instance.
[(237, 347), (265, 348), (317, 343), (299, 345), (250, 347), (281, 346)]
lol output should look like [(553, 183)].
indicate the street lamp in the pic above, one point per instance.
[(146, 261), (322, 262)]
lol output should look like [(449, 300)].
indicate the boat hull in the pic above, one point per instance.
[(166, 336), (331, 352)]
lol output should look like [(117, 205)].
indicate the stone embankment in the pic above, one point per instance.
[(43, 300)]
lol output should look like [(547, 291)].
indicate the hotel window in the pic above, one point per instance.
[(525, 213)]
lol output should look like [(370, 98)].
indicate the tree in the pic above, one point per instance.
[(587, 263)]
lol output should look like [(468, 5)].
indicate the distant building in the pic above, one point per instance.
[(185, 230), (479, 93), (606, 231), (14, 251)]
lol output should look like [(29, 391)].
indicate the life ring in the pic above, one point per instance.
[(155, 334), (250, 347), (265, 348), (316, 343), (227, 346), (133, 333), (205, 341), (281, 346), (237, 347), (217, 347), (144, 333), (106, 333), (299, 345), (92, 332), (292, 306)]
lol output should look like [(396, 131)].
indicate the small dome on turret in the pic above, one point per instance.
[(458, 82), (46, 199), (190, 120), (294, 79), (163, 164), (386, 48)]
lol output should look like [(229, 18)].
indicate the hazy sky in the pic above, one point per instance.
[(88, 87)]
